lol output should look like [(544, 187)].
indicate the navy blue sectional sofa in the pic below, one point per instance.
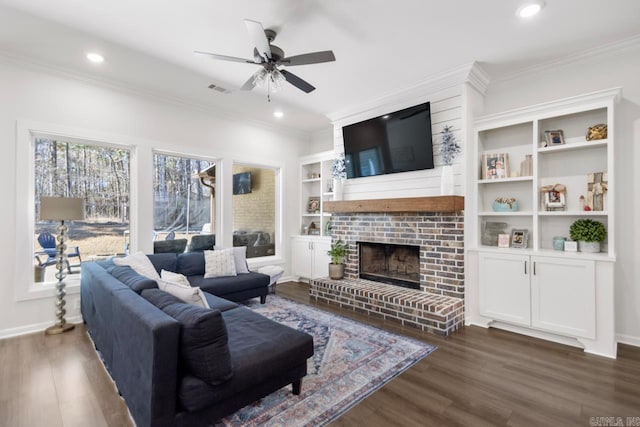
[(150, 342)]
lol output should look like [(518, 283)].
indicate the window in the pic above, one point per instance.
[(98, 174), (184, 203), (255, 216)]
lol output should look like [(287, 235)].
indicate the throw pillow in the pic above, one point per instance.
[(204, 348), (185, 293), (140, 264), (219, 263), (132, 279), (172, 277), (239, 258)]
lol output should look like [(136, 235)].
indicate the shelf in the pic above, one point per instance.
[(328, 193), (573, 213), (574, 146), (327, 214), (514, 179), (600, 256), (312, 180), (311, 215), (507, 213)]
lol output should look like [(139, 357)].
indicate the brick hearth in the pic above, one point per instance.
[(424, 310)]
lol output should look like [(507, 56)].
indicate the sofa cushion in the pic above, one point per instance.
[(170, 276), (140, 263), (167, 262), (219, 263), (228, 285), (132, 279), (191, 264), (204, 349), (187, 294), (218, 303), (239, 257), (260, 350), (202, 242)]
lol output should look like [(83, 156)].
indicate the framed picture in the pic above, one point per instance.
[(495, 166), (553, 200), (519, 238), (503, 240), (554, 137), (313, 205)]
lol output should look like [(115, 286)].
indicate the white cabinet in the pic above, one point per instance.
[(539, 292), (309, 257), (563, 296), (504, 288), (536, 290)]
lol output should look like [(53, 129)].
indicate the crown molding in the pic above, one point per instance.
[(470, 73), (128, 89), (599, 52)]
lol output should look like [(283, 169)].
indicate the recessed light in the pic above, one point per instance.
[(386, 116), (278, 114), (529, 9), (95, 57)]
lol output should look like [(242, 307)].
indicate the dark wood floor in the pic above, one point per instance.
[(478, 377)]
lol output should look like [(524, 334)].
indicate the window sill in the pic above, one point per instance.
[(42, 291)]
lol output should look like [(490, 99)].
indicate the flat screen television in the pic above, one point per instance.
[(242, 183), (392, 143)]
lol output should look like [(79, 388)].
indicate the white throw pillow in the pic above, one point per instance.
[(140, 263), (177, 278), (188, 294), (239, 257), (219, 263)]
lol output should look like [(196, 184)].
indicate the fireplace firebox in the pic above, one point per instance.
[(389, 263)]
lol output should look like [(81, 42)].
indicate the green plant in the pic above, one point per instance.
[(338, 251), (587, 230)]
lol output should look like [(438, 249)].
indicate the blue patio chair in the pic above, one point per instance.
[(48, 243)]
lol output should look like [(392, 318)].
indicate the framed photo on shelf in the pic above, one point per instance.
[(313, 205), (519, 238), (554, 137), (555, 200), (503, 240), (495, 166)]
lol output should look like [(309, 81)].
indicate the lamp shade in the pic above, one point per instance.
[(61, 208)]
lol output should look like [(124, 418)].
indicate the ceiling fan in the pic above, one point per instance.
[(271, 58)]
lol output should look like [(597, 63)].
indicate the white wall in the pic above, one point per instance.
[(606, 70), (29, 94), (321, 141)]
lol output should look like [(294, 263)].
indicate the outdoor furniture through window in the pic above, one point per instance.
[(48, 243)]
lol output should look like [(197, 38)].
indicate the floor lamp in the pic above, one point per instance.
[(61, 209)]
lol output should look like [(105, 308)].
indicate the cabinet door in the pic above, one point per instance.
[(504, 291), (320, 258), (563, 293), (301, 257)]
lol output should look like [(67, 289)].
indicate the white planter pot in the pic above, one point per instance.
[(447, 184), (337, 189), (591, 247)]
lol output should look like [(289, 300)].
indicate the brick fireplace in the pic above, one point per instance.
[(437, 233)]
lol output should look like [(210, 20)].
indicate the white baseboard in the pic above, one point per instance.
[(628, 339), (36, 327)]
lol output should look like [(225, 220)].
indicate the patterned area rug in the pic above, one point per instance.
[(351, 361)]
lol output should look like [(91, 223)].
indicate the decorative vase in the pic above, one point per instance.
[(590, 247), (505, 207), (337, 189), (336, 271), (447, 184)]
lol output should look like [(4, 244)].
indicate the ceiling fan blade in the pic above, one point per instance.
[(251, 83), (259, 38), (309, 58), (297, 81), (225, 58)]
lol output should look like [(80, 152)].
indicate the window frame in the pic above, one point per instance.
[(278, 169), (218, 162), (25, 287)]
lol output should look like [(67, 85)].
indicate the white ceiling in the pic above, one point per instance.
[(381, 46)]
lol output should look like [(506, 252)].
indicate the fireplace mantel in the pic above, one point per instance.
[(411, 204)]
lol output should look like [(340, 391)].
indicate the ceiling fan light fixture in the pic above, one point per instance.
[(529, 9)]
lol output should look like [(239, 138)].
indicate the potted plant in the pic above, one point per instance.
[(337, 253), (339, 172), (588, 233), (448, 151)]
